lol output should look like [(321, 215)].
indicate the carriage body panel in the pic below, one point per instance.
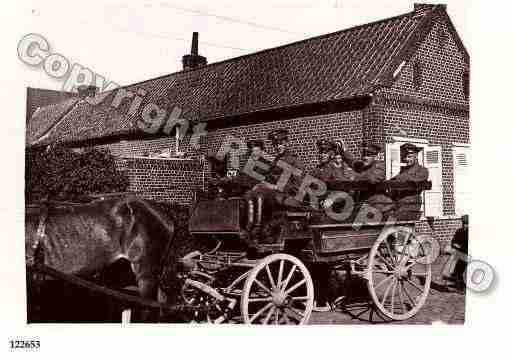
[(218, 216)]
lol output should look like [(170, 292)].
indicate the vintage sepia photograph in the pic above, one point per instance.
[(319, 178), (284, 178)]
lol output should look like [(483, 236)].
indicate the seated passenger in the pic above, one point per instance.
[(269, 191), (341, 163), (373, 171), (256, 148), (324, 171), (255, 200), (408, 203)]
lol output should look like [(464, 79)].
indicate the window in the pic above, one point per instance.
[(431, 158), (461, 163)]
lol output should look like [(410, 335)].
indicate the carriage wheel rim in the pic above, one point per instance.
[(399, 276), (279, 302)]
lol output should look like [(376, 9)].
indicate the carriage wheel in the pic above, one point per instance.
[(278, 290), (398, 274)]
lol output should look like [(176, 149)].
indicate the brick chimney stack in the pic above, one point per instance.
[(420, 7), (87, 91), (193, 60)]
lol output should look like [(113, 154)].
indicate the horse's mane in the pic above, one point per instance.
[(168, 225)]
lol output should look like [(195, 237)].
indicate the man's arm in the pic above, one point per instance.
[(378, 173), (349, 158), (422, 174)]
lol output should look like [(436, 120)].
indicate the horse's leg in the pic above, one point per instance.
[(148, 289)]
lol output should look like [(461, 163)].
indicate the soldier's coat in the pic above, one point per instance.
[(408, 203)]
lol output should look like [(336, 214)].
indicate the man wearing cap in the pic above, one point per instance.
[(268, 191), (408, 202), (324, 171), (249, 180), (341, 163), (373, 171), (369, 168), (280, 142), (284, 157)]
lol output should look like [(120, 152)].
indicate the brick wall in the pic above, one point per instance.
[(163, 179), (433, 108), (443, 229), (304, 133), (441, 67)]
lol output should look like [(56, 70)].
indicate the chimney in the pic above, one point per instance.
[(419, 7), (193, 60), (87, 91)]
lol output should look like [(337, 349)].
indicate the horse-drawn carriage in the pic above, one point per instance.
[(275, 286)]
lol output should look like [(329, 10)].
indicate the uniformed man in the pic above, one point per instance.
[(320, 273), (373, 171), (284, 196), (341, 164), (268, 191), (408, 202), (324, 171), (256, 148)]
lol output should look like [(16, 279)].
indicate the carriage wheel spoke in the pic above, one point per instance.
[(382, 271), (412, 302), (260, 312), (410, 265), (415, 285), (394, 259), (287, 280), (295, 286), (295, 299), (383, 281), (393, 296), (386, 292), (419, 274), (280, 274), (384, 260), (269, 314), (265, 299), (401, 298), (271, 280), (267, 290), (404, 248)]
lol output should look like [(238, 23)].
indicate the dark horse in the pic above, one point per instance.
[(83, 239)]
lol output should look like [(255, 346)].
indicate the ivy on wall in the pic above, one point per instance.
[(66, 175)]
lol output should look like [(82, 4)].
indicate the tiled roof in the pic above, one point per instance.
[(47, 117), (39, 98), (331, 67)]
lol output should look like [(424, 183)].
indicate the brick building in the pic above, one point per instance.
[(395, 80)]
